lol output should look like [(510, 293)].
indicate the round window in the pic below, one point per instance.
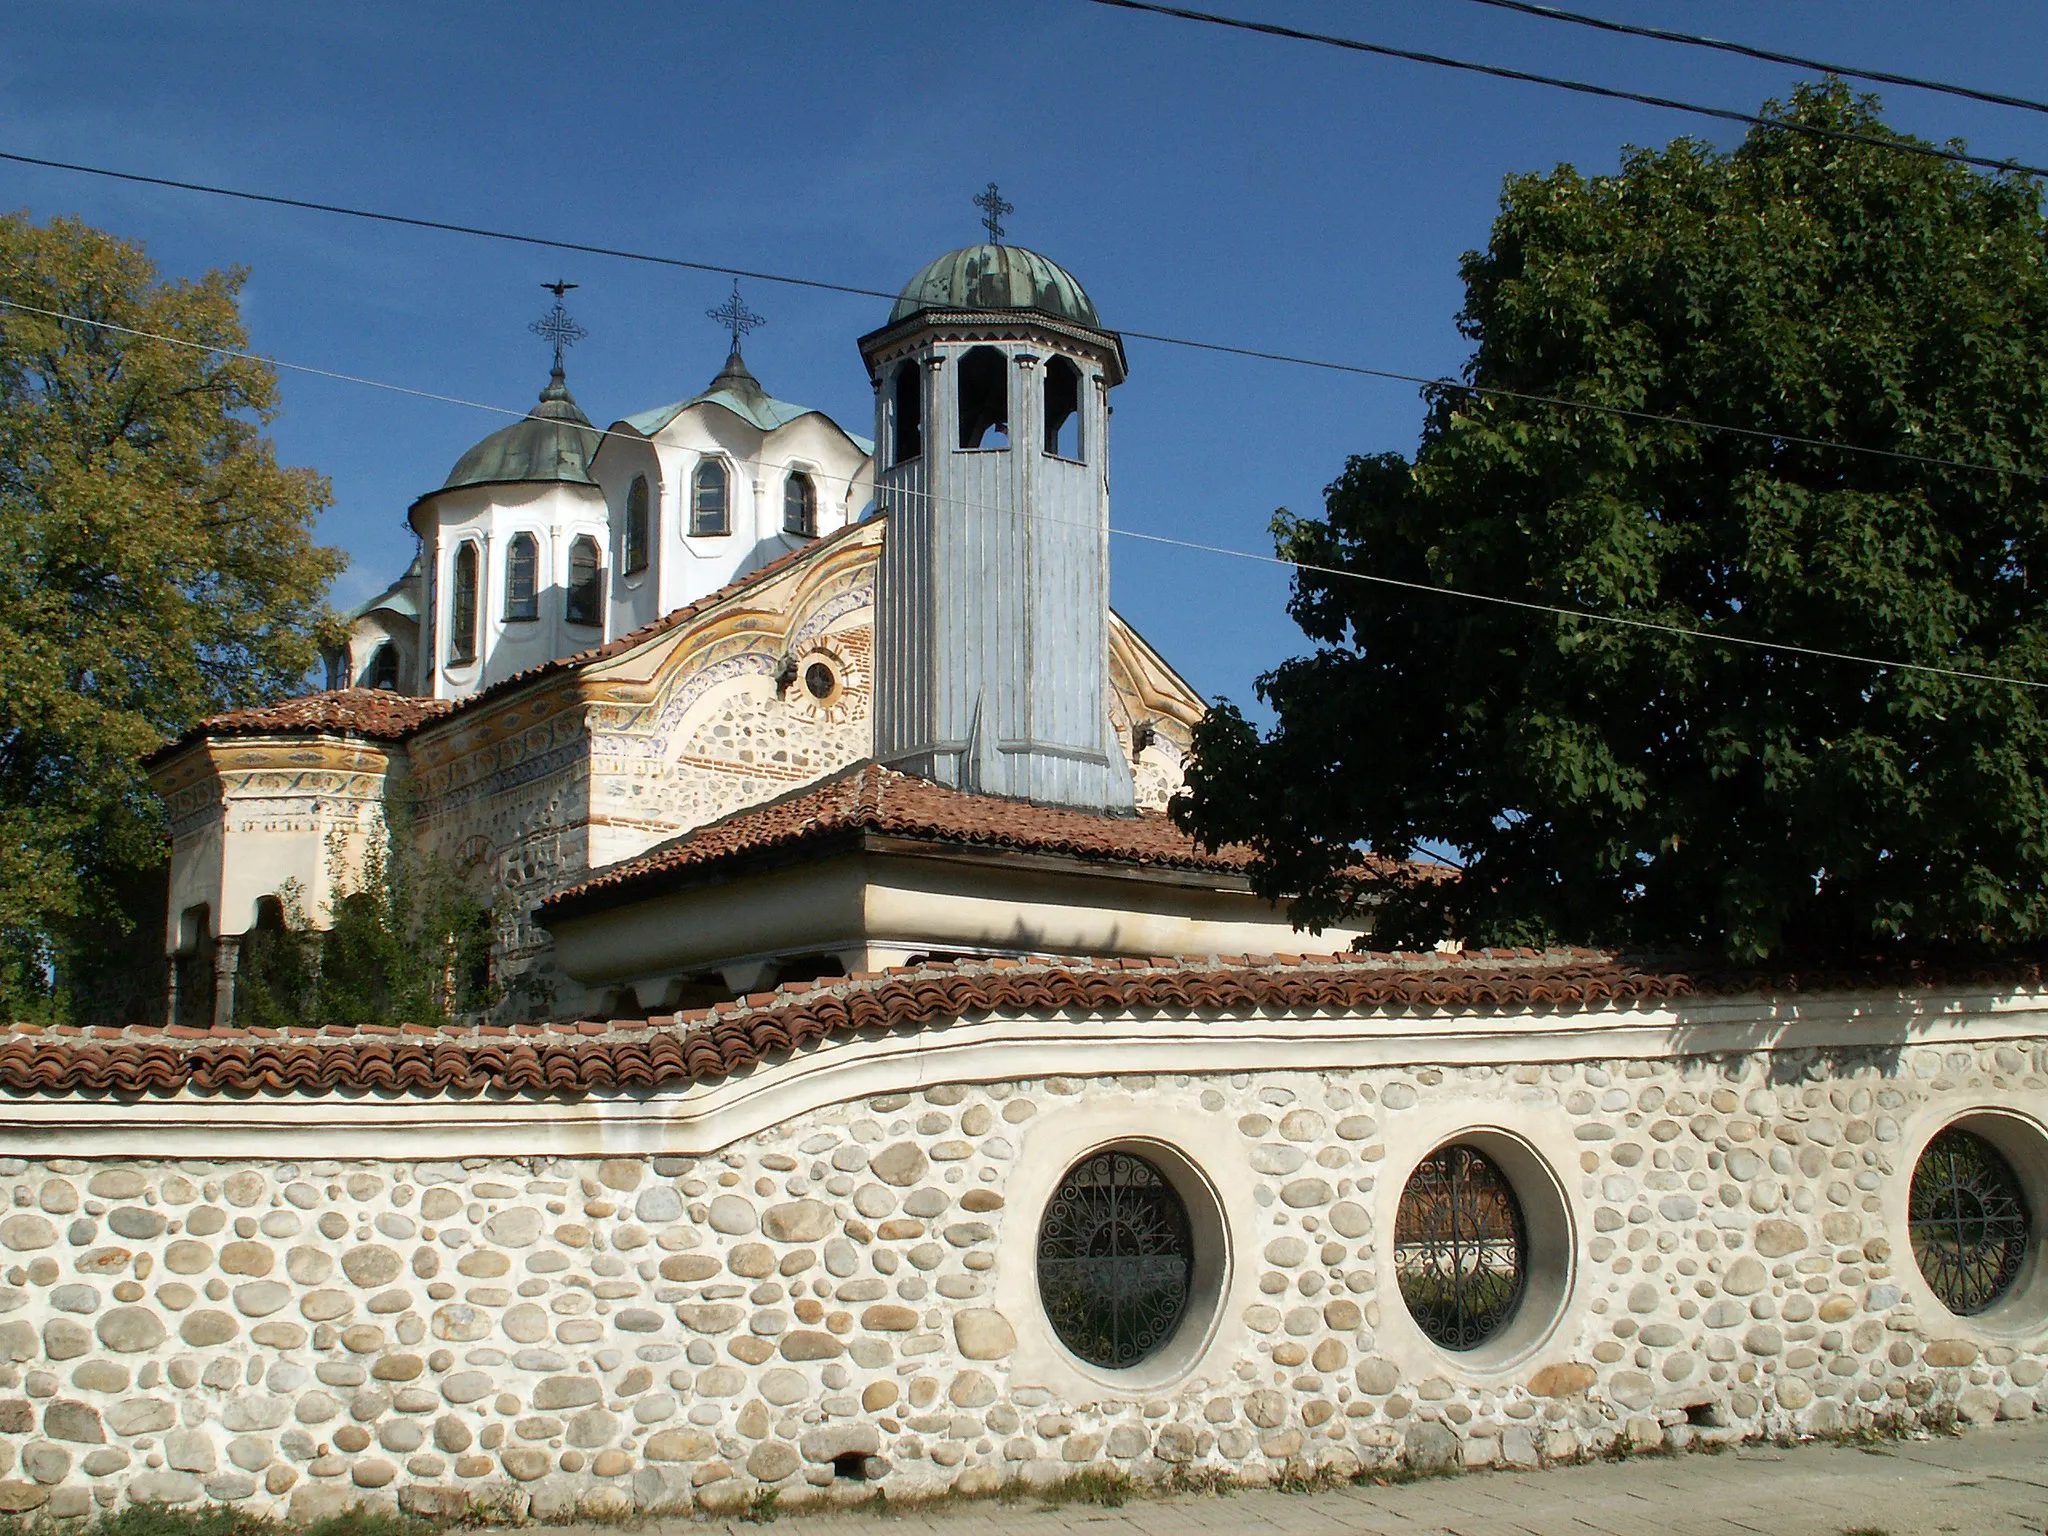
[(1968, 1221), (1460, 1247), (819, 681), (1115, 1260)]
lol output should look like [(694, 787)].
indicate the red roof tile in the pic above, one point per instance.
[(673, 619), (639, 1055), (870, 798), (377, 713), (387, 716)]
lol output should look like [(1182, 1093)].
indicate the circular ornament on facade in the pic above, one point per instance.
[(1968, 1220), (1115, 1260), (821, 682), (1460, 1247)]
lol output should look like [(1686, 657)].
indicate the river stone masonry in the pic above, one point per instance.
[(814, 1309)]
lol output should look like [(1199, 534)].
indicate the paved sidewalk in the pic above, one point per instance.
[(1987, 1482)]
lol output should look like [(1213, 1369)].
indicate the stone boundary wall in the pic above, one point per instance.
[(847, 1299)]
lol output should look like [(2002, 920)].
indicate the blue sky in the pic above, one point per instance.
[(1200, 183)]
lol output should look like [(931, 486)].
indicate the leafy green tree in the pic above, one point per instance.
[(157, 565), (405, 941), (1629, 786)]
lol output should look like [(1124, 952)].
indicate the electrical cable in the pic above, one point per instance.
[(1356, 370), (1767, 55), (1582, 87), (884, 494)]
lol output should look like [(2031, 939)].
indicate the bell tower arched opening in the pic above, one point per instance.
[(984, 407)]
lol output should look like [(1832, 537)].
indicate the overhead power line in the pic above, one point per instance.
[(1582, 87), (1767, 55), (1328, 365), (1527, 605)]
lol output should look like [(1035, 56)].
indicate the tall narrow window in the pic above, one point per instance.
[(462, 620), (909, 412), (522, 577), (636, 539), (984, 399), (1062, 409), (384, 666), (707, 499), (584, 588), (800, 505)]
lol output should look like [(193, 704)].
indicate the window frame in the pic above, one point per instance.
[(522, 607), (960, 386), (592, 589), (1050, 445), (636, 531), (465, 589), (807, 525), (908, 387), (717, 463), (385, 652)]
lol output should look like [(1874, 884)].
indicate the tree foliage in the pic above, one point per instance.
[(405, 940), (1617, 785), (156, 565)]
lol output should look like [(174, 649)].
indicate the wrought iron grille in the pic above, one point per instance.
[(1968, 1221), (1459, 1247), (1115, 1256)]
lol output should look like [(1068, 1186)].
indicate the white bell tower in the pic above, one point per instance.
[(992, 383)]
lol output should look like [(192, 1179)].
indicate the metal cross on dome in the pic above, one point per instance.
[(992, 207), (556, 326), (734, 315)]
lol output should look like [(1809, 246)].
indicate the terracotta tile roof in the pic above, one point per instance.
[(387, 716), (377, 713), (571, 1059), (675, 618), (872, 799)]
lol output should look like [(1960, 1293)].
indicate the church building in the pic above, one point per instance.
[(719, 696), (886, 1096)]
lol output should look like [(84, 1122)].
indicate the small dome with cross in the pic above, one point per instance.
[(997, 277)]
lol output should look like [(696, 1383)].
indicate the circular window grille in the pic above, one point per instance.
[(1460, 1246), (819, 681), (1968, 1221), (1115, 1257)]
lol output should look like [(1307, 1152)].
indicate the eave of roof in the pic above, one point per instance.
[(867, 798), (573, 1059), (674, 619), (765, 414), (374, 714)]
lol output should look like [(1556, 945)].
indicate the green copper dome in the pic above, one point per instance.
[(553, 442), (996, 277)]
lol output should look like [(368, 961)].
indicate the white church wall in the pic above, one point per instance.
[(758, 465), (634, 596), (490, 517), (822, 1276), (367, 636)]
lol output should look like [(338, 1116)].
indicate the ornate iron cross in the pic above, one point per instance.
[(734, 315), (992, 207), (555, 326)]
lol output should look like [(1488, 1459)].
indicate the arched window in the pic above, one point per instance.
[(909, 413), (1460, 1247), (800, 505), (1968, 1221), (383, 671), (462, 614), (1115, 1260), (636, 540), (708, 499), (522, 578), (984, 399), (1062, 409), (584, 587)]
